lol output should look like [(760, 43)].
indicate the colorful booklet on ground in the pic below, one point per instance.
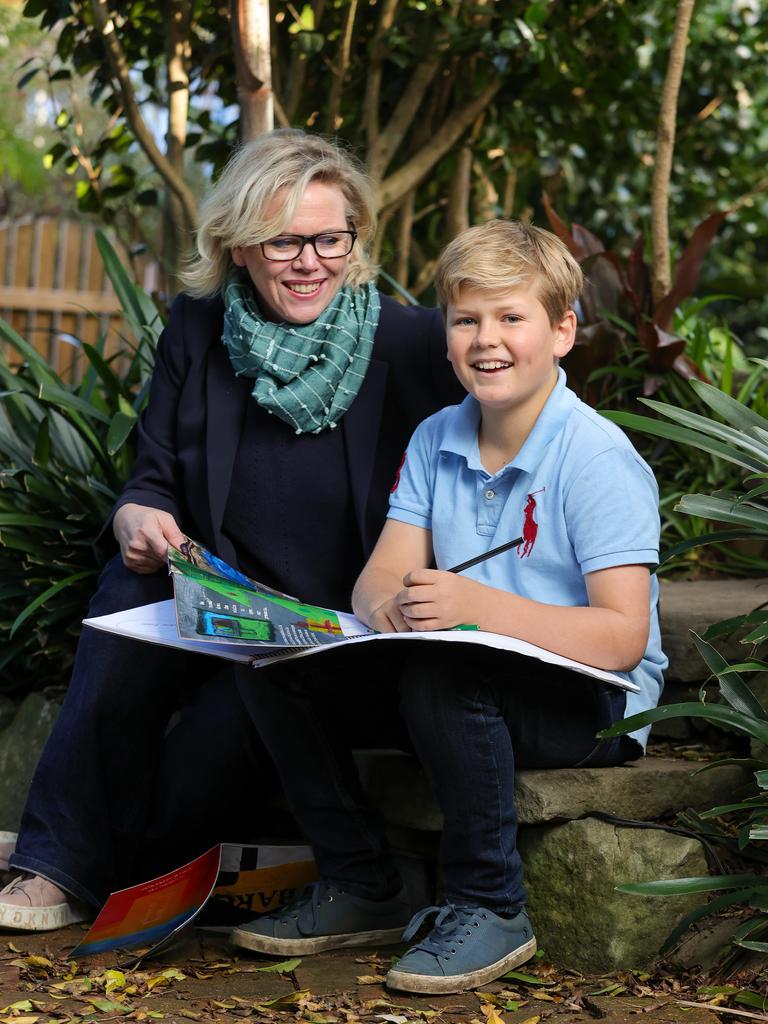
[(249, 879), (217, 610)]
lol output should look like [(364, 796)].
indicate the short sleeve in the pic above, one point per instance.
[(410, 500), (612, 512)]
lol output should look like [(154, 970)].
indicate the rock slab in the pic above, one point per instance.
[(686, 605), (21, 744), (653, 787), (571, 872), (648, 789)]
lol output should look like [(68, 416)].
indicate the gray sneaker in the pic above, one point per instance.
[(326, 917), (467, 947), (33, 904)]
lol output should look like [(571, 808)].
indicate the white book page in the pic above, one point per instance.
[(156, 623)]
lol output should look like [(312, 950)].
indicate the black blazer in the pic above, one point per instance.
[(189, 432)]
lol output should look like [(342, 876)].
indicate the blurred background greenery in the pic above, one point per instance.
[(565, 96)]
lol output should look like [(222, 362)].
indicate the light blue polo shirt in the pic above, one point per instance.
[(577, 492)]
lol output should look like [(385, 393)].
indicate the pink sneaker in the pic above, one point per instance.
[(33, 904)]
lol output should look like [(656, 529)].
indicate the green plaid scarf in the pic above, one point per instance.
[(307, 374)]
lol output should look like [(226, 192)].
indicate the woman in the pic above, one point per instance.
[(284, 391)]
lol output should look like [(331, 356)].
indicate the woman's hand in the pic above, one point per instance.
[(434, 599), (144, 534), (388, 618)]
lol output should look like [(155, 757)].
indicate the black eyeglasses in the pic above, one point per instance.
[(328, 245)]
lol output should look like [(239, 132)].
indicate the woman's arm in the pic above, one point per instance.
[(146, 514), (611, 633), (399, 549)]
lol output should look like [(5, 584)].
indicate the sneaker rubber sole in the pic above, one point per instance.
[(296, 947), (39, 919), (448, 984)]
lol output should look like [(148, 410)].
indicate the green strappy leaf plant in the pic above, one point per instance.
[(739, 435), (65, 451)]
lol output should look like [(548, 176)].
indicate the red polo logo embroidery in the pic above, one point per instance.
[(393, 488), (530, 526)]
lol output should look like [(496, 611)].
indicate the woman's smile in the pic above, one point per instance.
[(297, 291)]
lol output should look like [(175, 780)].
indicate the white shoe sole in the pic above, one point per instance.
[(446, 985), (39, 919), (297, 947)]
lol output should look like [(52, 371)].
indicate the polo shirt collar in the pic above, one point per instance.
[(461, 433)]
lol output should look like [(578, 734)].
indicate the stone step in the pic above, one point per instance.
[(645, 790), (686, 605)]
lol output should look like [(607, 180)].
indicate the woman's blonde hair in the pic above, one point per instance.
[(235, 212), (503, 255)]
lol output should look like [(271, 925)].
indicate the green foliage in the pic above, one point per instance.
[(65, 451), (737, 435), (576, 114), (629, 346)]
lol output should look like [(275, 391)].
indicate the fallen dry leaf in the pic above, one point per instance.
[(371, 979), (491, 1013)]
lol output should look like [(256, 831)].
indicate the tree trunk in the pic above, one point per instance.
[(253, 66), (457, 214), (176, 237), (665, 146), (339, 72), (120, 72), (404, 230)]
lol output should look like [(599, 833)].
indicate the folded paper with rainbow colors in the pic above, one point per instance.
[(152, 913)]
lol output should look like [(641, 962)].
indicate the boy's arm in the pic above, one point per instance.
[(611, 633), (399, 549)]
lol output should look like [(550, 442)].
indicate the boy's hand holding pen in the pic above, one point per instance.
[(434, 598)]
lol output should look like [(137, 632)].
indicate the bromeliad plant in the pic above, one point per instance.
[(65, 451), (738, 435)]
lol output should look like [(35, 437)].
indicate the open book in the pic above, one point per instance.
[(217, 610)]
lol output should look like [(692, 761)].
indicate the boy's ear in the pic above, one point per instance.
[(565, 334)]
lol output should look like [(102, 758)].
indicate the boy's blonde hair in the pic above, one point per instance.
[(235, 212), (505, 254)]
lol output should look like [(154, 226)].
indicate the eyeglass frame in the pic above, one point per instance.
[(309, 240)]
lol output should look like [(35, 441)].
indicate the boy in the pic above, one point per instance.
[(521, 456)]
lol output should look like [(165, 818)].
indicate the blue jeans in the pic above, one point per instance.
[(473, 715), (117, 796)]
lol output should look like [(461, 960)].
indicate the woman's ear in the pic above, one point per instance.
[(237, 256), (565, 334)]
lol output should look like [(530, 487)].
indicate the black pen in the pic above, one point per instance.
[(488, 554)]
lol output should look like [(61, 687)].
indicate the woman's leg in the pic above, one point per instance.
[(89, 798)]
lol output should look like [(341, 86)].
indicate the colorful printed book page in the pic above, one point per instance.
[(151, 914), (230, 609)]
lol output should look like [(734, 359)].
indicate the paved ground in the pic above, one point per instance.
[(203, 979)]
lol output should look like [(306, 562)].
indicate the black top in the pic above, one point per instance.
[(304, 479)]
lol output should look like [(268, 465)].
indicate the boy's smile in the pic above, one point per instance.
[(503, 348)]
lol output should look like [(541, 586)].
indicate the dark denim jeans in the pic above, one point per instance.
[(116, 796), (473, 715), (311, 713)]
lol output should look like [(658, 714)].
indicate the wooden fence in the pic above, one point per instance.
[(54, 291)]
